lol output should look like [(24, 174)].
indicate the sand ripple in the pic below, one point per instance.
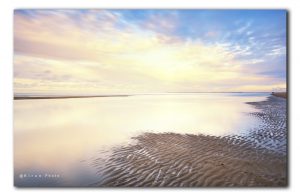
[(178, 160)]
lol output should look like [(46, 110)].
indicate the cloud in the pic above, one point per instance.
[(244, 28), (161, 22), (277, 51), (102, 51)]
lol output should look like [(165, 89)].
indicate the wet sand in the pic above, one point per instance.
[(182, 160), (280, 94)]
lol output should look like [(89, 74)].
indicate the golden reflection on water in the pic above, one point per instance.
[(57, 134)]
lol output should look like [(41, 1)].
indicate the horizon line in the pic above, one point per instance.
[(24, 97)]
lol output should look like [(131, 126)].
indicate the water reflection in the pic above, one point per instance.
[(56, 135)]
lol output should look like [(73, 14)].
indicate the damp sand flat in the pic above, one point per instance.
[(187, 160)]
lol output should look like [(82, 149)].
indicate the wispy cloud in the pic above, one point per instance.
[(244, 28), (111, 51)]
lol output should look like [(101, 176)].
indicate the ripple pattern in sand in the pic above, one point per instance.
[(272, 134), (178, 160), (192, 160)]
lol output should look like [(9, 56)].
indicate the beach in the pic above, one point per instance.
[(255, 159), (150, 98), (166, 140)]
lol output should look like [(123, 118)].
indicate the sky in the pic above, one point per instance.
[(148, 51)]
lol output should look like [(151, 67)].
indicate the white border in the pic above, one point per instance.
[(6, 53)]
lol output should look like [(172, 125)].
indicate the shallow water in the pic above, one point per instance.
[(53, 138)]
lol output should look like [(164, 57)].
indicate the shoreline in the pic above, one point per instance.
[(29, 97), (185, 160), (65, 97)]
